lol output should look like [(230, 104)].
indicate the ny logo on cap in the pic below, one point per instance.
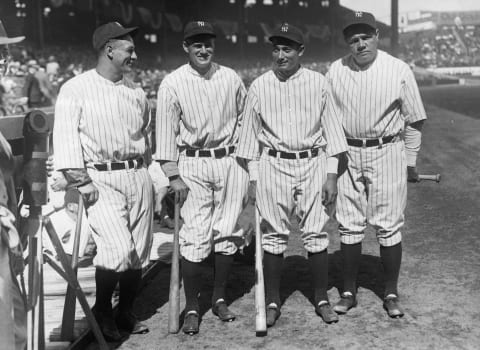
[(358, 14), (201, 23), (284, 28)]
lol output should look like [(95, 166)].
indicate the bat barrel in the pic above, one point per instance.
[(174, 296), (430, 177), (260, 311)]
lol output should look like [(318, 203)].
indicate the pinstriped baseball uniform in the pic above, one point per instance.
[(374, 103), (291, 116), (196, 112), (99, 121)]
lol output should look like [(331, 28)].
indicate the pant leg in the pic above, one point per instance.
[(7, 324), (352, 198), (311, 175), (230, 198), (386, 171), (195, 234), (275, 190)]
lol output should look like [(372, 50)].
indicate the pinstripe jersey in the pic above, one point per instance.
[(294, 115), (97, 120), (193, 107), (378, 101)]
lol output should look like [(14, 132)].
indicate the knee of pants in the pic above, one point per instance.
[(389, 239), (351, 237)]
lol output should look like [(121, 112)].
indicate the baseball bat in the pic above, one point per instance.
[(260, 311), (433, 177), (174, 296)]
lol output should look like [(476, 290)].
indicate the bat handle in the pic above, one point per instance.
[(174, 296), (433, 177)]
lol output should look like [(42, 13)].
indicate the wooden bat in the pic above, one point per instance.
[(433, 177), (174, 296), (260, 311)]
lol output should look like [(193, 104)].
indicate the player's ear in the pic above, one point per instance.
[(301, 50), (185, 46), (109, 51)]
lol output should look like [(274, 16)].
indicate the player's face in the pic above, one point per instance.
[(286, 57), (200, 50), (122, 53), (363, 46)]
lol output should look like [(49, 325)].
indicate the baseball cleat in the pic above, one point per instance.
[(325, 311), (347, 301), (221, 310), (190, 324), (391, 305), (273, 313)]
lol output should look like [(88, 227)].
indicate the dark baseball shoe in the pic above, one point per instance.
[(391, 305), (273, 313), (107, 325), (347, 301), (127, 321), (220, 309), (324, 310), (190, 323)]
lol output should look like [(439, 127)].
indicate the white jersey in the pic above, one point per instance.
[(378, 101), (195, 111), (294, 115), (97, 120)]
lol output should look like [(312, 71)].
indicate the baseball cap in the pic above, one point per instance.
[(359, 17), (109, 31), (197, 28), (287, 31), (5, 40)]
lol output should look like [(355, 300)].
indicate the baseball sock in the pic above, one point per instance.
[(223, 264), (351, 261), (318, 263), (192, 276), (105, 281), (272, 267), (391, 259), (129, 284)]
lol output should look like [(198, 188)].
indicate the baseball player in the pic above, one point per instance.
[(198, 116), (101, 144), (378, 100), (291, 128), (13, 314)]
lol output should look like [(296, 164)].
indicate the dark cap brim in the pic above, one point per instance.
[(287, 37)]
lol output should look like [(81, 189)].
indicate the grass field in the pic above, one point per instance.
[(457, 98)]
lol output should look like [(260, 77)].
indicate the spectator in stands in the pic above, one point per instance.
[(38, 88), (52, 68)]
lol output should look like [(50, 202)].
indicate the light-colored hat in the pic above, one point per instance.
[(5, 40)]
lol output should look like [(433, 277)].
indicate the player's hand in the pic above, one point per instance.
[(180, 188), (49, 164), (412, 174), (89, 193), (329, 190), (59, 183)]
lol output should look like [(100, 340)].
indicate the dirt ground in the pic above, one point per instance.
[(439, 281)]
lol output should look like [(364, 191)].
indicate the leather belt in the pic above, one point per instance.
[(370, 142), (294, 155), (128, 164), (214, 153)]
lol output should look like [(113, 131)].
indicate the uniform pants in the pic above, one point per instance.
[(218, 194), (121, 220), (292, 186), (373, 190)]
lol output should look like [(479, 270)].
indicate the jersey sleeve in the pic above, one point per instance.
[(248, 145), (332, 125), (67, 146), (412, 107), (167, 126)]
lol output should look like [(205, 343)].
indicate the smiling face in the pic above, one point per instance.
[(122, 53), (286, 56), (363, 43), (200, 50)]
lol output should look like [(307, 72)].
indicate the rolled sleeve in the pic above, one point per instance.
[(332, 126), (167, 125)]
